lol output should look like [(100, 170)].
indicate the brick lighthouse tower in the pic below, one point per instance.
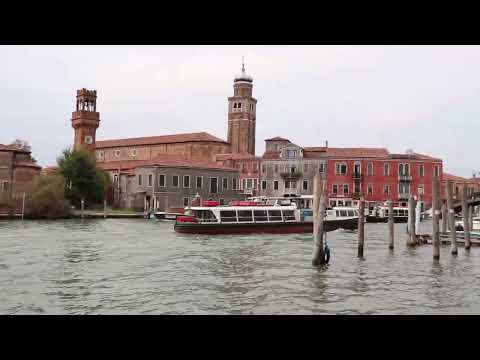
[(241, 115), (85, 120)]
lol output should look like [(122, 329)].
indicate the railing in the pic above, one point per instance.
[(356, 195), (248, 191), (404, 178), (296, 174), (356, 176)]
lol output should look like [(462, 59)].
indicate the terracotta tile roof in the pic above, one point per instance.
[(27, 164), (414, 156), (277, 138), (12, 148), (451, 177), (357, 152), (163, 161), (241, 156), (315, 148), (164, 139), (271, 155)]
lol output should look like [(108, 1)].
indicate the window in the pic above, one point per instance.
[(421, 170), (185, 201), (264, 168), (161, 180), (234, 183), (260, 215), (255, 184), (404, 169), (436, 171), (345, 189), (150, 179), (291, 154), (228, 216), (5, 186), (275, 184), (370, 169), (305, 167), (245, 216), (101, 154), (134, 152), (386, 189), (244, 166), (276, 168), (255, 167), (357, 170), (305, 184), (341, 169), (290, 184), (175, 182), (213, 185), (321, 168), (139, 179), (264, 184), (186, 181), (249, 183), (335, 188), (225, 183), (288, 215), (404, 188), (420, 190), (370, 189), (356, 187), (275, 215), (240, 105), (234, 105), (117, 153), (199, 182), (115, 179), (386, 169)]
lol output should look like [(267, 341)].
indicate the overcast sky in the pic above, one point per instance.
[(421, 97)]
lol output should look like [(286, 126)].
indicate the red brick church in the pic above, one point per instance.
[(121, 156)]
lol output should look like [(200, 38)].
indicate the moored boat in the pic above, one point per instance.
[(259, 218)]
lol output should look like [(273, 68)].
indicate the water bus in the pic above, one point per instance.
[(246, 217)]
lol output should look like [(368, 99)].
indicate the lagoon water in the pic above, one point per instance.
[(138, 266)]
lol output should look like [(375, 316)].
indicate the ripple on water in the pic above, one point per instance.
[(135, 266)]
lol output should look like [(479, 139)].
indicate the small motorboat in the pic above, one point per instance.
[(168, 216)]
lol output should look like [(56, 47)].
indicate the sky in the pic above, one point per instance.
[(424, 98)]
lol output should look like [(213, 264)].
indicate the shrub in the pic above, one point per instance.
[(47, 199)]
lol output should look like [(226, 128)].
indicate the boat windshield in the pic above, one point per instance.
[(205, 215)]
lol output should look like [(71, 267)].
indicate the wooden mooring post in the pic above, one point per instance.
[(105, 208), (435, 216), (444, 217), (82, 207), (390, 224), (412, 235), (361, 227), (451, 217), (470, 214), (319, 207), (23, 205), (466, 218)]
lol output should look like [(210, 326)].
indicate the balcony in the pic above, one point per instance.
[(357, 195), (248, 191), (404, 178), (356, 176), (291, 175)]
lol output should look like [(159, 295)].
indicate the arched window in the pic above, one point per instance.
[(240, 105), (234, 105)]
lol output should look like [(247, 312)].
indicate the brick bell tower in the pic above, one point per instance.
[(241, 115), (85, 120)]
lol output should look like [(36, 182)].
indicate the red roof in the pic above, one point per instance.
[(271, 155), (164, 139), (277, 138), (164, 161), (447, 176), (315, 148), (12, 148), (357, 152), (240, 156), (27, 164), (414, 156)]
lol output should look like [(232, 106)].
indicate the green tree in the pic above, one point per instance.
[(83, 178), (47, 198)]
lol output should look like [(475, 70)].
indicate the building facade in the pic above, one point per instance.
[(288, 169), (17, 170), (170, 183), (378, 176)]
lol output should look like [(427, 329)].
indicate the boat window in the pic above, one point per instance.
[(275, 215), (351, 213), (245, 215), (386, 212), (343, 213), (260, 215), (338, 213), (395, 212), (228, 216), (207, 216), (288, 215)]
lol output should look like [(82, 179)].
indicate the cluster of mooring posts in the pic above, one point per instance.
[(440, 209)]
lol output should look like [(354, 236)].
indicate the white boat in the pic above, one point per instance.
[(476, 224)]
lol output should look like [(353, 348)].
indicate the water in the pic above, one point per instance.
[(137, 266)]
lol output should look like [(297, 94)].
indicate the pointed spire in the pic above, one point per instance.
[(243, 76)]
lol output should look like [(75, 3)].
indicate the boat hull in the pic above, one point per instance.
[(266, 228), (378, 219)]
